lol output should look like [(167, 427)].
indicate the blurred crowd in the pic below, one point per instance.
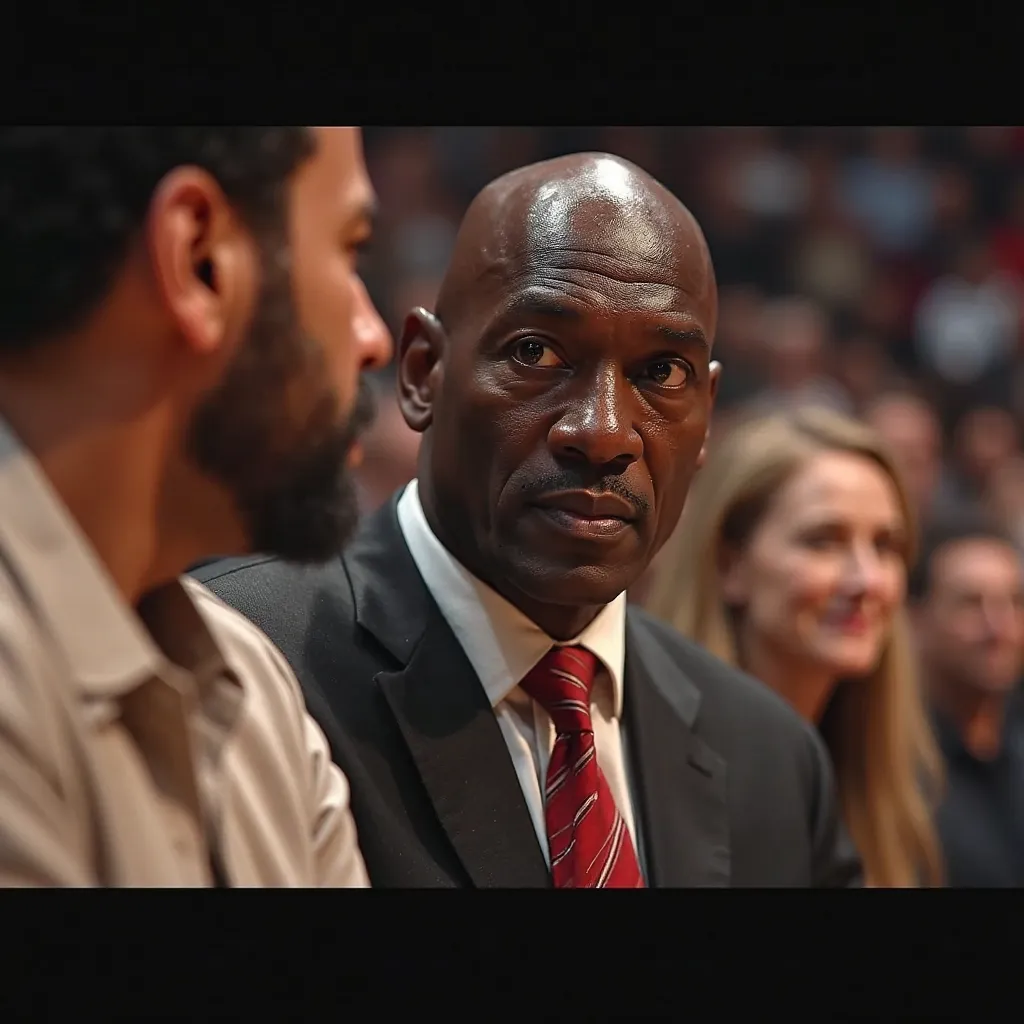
[(876, 270)]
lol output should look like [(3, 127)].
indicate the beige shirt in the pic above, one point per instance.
[(503, 645), (137, 749)]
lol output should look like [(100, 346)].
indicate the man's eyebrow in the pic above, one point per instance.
[(542, 305), (686, 335)]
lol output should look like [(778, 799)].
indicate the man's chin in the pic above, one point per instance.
[(576, 586), (995, 679), (306, 528)]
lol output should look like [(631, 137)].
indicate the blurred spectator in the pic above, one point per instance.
[(831, 265), (744, 251), (969, 609), (910, 428), (885, 309), (889, 190), (991, 159), (955, 216), (796, 342), (862, 367), (767, 181), (405, 168), (1004, 498), (738, 345), (822, 163), (967, 325), (419, 212), (830, 261), (1008, 237), (984, 439), (470, 157)]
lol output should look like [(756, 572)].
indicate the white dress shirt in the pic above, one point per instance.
[(502, 645)]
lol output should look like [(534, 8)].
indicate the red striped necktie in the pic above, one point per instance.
[(588, 841)]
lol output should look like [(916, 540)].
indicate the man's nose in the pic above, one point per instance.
[(372, 337), (597, 423)]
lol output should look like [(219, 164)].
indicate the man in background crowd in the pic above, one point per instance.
[(182, 330), (968, 596), (913, 432)]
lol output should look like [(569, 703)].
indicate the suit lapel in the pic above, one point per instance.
[(444, 715), (684, 810)]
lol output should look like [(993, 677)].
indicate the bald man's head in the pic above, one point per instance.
[(564, 386), (612, 205)]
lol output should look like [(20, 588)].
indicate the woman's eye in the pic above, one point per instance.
[(533, 352), (889, 545), (820, 541), (667, 373)]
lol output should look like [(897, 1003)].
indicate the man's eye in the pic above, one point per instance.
[(533, 352), (667, 373)]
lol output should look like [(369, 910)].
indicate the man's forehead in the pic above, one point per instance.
[(602, 181), (337, 168), (338, 149), (976, 560), (605, 209), (593, 243)]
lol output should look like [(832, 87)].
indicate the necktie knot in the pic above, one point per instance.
[(561, 683)]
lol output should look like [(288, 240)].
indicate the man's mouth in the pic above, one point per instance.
[(587, 514)]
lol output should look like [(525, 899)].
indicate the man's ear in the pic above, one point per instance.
[(204, 261), (715, 374), (421, 349)]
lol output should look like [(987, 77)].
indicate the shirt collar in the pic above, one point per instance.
[(502, 644)]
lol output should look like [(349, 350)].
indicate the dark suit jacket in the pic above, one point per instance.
[(733, 787)]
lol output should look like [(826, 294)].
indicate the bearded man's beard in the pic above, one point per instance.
[(287, 472)]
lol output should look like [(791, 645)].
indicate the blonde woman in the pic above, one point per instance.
[(791, 562)]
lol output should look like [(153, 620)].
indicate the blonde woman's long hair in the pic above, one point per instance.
[(887, 763)]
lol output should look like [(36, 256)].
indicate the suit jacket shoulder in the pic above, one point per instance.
[(726, 692), (297, 606), (778, 765)]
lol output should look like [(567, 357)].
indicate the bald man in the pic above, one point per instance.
[(503, 718)]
